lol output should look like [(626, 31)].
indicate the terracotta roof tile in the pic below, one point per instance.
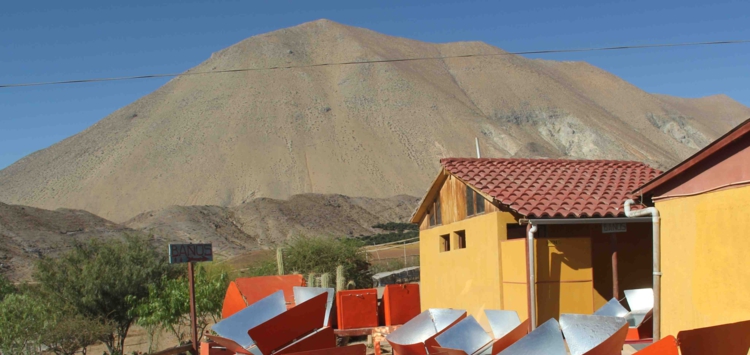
[(539, 188)]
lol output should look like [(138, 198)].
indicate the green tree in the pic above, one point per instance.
[(96, 279), (322, 255), (22, 323), (68, 333), (167, 306)]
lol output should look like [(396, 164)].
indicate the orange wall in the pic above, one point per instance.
[(705, 259)]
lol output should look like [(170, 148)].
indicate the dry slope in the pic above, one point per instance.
[(360, 130), (28, 233)]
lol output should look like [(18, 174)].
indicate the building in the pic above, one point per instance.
[(475, 222), (704, 205)]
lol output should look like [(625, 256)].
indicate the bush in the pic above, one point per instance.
[(6, 287), (22, 323), (96, 280), (168, 305), (322, 255)]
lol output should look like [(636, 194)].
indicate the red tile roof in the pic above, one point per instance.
[(538, 188)]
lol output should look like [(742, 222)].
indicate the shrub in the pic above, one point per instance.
[(97, 279), (322, 255)]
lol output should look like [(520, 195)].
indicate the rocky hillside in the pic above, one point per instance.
[(371, 130), (29, 233)]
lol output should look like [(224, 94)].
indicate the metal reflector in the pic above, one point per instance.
[(585, 332), (545, 339), (416, 335), (613, 308), (466, 335), (235, 327), (302, 294), (502, 322), (640, 301)]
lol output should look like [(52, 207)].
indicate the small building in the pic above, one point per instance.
[(704, 205), (475, 222)]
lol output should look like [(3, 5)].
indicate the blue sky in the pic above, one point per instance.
[(59, 40)]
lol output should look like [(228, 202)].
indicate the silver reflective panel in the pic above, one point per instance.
[(502, 322), (466, 335), (302, 294), (584, 332), (235, 327), (546, 339), (613, 308), (444, 317), (641, 301), (417, 330)]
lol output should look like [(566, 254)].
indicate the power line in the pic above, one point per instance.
[(550, 51)]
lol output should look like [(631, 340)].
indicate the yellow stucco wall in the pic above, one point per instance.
[(705, 257), (467, 278)]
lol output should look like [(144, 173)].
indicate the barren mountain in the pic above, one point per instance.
[(371, 130), (28, 233)]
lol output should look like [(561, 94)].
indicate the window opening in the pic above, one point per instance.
[(461, 239), (445, 242)]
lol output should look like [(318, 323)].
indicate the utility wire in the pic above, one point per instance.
[(573, 50)]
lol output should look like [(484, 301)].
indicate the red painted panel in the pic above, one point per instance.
[(410, 349), (322, 339), (725, 339), (401, 303), (448, 351), (359, 349), (295, 323), (233, 301), (666, 346), (357, 308), (256, 288)]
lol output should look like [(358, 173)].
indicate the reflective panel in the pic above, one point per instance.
[(613, 308), (641, 301), (236, 326), (414, 331), (545, 339), (302, 294), (502, 322), (444, 317), (584, 332), (466, 335)]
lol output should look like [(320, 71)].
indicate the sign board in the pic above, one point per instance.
[(184, 253), (614, 227)]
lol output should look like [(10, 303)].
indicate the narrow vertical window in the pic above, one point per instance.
[(438, 213), (469, 201), (445, 242), (480, 203), (461, 236), (432, 218)]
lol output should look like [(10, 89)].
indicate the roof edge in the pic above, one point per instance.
[(714, 147)]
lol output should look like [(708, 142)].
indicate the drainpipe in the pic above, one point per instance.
[(656, 260), (532, 277)]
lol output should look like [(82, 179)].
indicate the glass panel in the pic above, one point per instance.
[(469, 201), (480, 203)]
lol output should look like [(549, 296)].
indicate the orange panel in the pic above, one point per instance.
[(725, 339), (666, 346), (211, 348), (256, 288), (322, 339), (357, 308), (513, 336), (401, 303), (359, 349), (448, 351), (410, 349), (233, 301), (295, 323)]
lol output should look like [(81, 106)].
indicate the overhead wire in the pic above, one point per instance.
[(377, 61)]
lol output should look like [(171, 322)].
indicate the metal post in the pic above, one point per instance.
[(404, 254), (615, 274), (193, 321)]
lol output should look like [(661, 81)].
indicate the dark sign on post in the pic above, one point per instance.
[(191, 253), (184, 253)]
